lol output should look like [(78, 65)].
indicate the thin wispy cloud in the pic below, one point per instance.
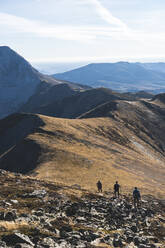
[(121, 30), (107, 16)]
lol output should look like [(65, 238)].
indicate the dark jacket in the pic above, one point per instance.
[(99, 185), (116, 187), (136, 194)]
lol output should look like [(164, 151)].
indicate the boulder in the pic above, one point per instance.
[(3, 244), (117, 242), (10, 216), (16, 238)]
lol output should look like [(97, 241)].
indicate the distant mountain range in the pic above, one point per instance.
[(55, 67), (24, 89), (160, 66), (121, 76)]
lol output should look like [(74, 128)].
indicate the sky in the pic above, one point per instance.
[(84, 30)]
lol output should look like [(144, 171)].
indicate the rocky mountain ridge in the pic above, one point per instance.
[(35, 213)]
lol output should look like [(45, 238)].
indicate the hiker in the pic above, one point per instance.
[(99, 186), (136, 197), (116, 189)]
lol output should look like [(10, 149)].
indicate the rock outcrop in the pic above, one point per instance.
[(51, 215)]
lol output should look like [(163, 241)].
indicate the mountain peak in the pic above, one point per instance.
[(123, 62), (6, 50), (18, 80), (5, 47)]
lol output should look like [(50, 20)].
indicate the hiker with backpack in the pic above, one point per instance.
[(99, 186), (136, 197), (116, 189)]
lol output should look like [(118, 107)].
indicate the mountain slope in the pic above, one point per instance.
[(47, 97), (72, 105), (127, 145), (159, 99), (122, 76), (20, 84), (65, 102), (18, 80), (159, 66)]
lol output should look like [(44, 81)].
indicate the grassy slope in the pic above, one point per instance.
[(81, 151), (97, 149)]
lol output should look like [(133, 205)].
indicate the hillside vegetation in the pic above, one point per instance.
[(121, 140)]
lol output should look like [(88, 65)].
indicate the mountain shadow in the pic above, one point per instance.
[(17, 153), (68, 103), (21, 158)]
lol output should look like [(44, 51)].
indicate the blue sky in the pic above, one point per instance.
[(84, 30)]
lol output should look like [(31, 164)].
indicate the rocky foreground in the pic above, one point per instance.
[(45, 215)]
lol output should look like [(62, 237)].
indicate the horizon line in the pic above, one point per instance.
[(100, 60)]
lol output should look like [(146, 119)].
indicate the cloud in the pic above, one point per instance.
[(82, 33), (14, 25), (106, 15), (17, 24), (121, 30)]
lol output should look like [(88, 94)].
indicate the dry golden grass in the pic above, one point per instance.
[(12, 225), (121, 148), (84, 151)]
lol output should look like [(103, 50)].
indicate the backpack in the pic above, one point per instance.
[(99, 184), (116, 187), (136, 193)]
